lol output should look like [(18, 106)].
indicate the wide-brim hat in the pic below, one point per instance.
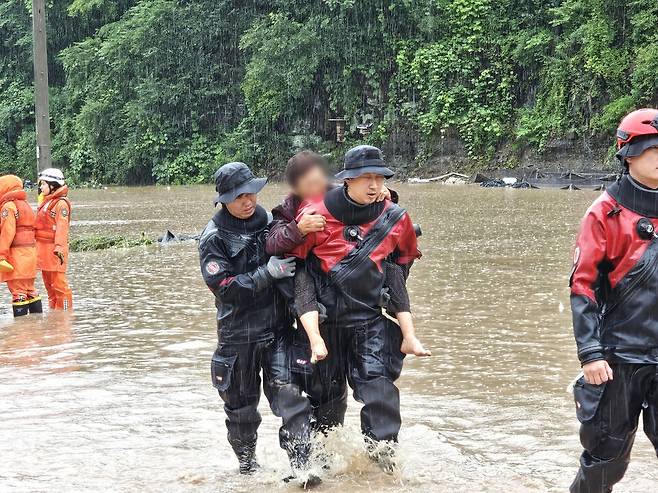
[(364, 159), (234, 179), (637, 146)]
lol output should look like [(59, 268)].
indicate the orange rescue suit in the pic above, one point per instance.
[(17, 242), (52, 235)]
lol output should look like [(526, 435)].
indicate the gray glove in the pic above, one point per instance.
[(279, 268)]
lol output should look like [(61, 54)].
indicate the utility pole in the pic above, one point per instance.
[(41, 111)]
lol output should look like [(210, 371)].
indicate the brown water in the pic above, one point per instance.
[(118, 396)]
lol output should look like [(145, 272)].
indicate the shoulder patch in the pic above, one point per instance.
[(5, 213), (64, 211), (212, 268)]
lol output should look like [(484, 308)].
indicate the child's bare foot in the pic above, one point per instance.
[(413, 346), (318, 350)]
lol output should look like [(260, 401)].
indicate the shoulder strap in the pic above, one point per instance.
[(377, 233), (53, 203)]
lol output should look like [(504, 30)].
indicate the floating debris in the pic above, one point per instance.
[(104, 242), (493, 184), (169, 237), (479, 178), (571, 175), (524, 184), (452, 178)]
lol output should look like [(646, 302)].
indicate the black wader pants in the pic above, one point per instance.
[(609, 416), (235, 370), (367, 356), (325, 382)]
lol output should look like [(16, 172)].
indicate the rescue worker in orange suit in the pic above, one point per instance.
[(18, 255), (52, 235), (614, 294)]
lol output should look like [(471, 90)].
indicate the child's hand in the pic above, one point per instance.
[(413, 346), (384, 194), (318, 351)]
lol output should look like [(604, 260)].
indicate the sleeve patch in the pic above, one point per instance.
[(212, 268), (64, 212)]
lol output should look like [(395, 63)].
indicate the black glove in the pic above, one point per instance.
[(280, 268), (60, 256)]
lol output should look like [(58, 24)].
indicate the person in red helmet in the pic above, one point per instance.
[(614, 301), (18, 255), (52, 234)]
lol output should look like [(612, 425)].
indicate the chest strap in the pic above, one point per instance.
[(340, 272)]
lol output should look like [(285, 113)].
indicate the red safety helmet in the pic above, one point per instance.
[(637, 132)]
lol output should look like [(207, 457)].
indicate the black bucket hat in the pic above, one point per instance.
[(364, 159), (637, 146), (234, 179)]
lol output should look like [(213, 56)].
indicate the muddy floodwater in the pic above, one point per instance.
[(117, 397)]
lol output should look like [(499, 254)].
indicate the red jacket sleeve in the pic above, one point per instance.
[(407, 247), (590, 252)]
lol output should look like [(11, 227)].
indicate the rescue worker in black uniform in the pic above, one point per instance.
[(614, 300), (345, 260), (253, 321)]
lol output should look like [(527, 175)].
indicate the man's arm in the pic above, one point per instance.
[(589, 253), (62, 221), (407, 248), (7, 229), (216, 271)]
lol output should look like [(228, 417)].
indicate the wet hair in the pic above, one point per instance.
[(54, 186), (300, 164)]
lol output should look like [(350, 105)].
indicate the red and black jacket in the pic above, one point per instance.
[(352, 291), (614, 281), (284, 234)]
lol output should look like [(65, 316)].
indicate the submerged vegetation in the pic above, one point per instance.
[(104, 242), (163, 90)]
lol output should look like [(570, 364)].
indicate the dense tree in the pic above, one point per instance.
[(164, 90)]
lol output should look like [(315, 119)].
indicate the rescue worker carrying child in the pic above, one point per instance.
[(345, 259), (18, 255), (52, 235)]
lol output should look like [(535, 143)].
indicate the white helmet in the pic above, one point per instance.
[(52, 175)]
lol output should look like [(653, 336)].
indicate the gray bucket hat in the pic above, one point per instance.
[(364, 159), (234, 179)]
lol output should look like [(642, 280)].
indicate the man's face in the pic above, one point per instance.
[(366, 188), (312, 184), (644, 168), (44, 188), (244, 206)]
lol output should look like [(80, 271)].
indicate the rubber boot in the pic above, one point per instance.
[(20, 308), (246, 454), (383, 454), (35, 305)]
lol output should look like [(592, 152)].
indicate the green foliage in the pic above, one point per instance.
[(167, 90), (104, 242)]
